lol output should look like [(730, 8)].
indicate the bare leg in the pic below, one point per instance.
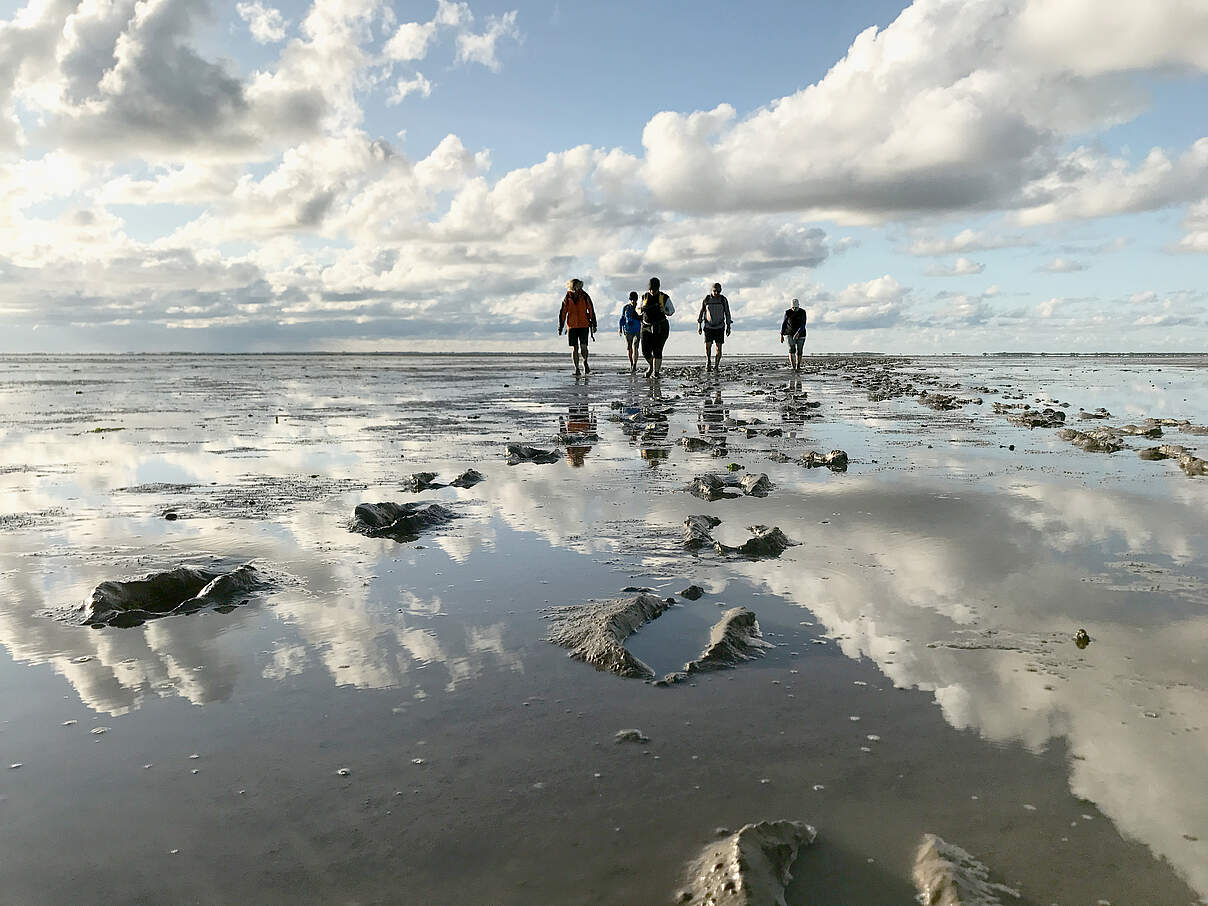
[(586, 367), (574, 354), (717, 359)]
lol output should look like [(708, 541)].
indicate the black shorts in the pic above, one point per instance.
[(715, 335), (654, 337), (576, 336)]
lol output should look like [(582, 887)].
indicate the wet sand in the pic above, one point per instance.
[(387, 722)]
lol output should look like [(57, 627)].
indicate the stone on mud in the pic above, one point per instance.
[(733, 639), (596, 632), (946, 875), (186, 589), (518, 453), (692, 444), (749, 868), (1097, 413), (767, 541), (401, 521), (835, 460), (692, 592), (698, 530)]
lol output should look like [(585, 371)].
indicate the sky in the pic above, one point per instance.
[(943, 176)]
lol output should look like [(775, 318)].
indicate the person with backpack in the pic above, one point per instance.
[(714, 322), (793, 327), (577, 316), (630, 328), (654, 307)]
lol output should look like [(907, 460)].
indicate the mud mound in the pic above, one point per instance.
[(733, 639), (767, 541), (186, 589), (596, 632), (400, 521), (946, 875), (749, 868)]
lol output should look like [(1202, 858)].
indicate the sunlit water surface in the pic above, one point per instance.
[(387, 723)]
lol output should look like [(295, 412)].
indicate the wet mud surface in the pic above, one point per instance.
[(983, 622)]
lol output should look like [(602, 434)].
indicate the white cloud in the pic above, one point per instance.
[(481, 48), (411, 41), (404, 87), (452, 14), (960, 267), (954, 106), (967, 240), (266, 23), (1062, 266), (1196, 225), (876, 303)]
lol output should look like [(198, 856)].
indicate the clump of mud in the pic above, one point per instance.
[(423, 481), (518, 453), (400, 521), (749, 868), (698, 531), (946, 875), (1101, 440), (835, 460), (712, 486), (596, 632), (766, 541), (732, 639), (186, 589)]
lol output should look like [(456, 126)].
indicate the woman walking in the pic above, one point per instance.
[(630, 328), (793, 327), (654, 307), (577, 317)]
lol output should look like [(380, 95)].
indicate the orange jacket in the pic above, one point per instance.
[(577, 311)]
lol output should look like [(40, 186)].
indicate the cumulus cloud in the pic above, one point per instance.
[(961, 267), (1061, 265), (411, 41), (896, 127), (880, 302), (482, 47), (266, 23)]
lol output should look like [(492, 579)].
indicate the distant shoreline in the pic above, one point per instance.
[(560, 355)]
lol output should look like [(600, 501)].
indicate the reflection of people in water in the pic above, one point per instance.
[(793, 410), (577, 426), (711, 420)]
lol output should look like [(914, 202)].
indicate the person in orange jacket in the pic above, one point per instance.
[(577, 317)]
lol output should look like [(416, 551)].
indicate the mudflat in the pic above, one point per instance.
[(454, 629)]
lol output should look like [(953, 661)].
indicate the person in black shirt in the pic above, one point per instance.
[(793, 327)]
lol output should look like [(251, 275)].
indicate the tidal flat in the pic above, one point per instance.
[(977, 626)]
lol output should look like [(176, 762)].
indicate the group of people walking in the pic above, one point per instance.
[(645, 325)]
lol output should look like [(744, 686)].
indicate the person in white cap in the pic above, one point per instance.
[(793, 327)]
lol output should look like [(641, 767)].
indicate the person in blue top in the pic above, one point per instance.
[(630, 327)]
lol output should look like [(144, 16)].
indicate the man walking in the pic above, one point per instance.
[(714, 322), (578, 316), (793, 327)]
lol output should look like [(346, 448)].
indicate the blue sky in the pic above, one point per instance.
[(939, 176)]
